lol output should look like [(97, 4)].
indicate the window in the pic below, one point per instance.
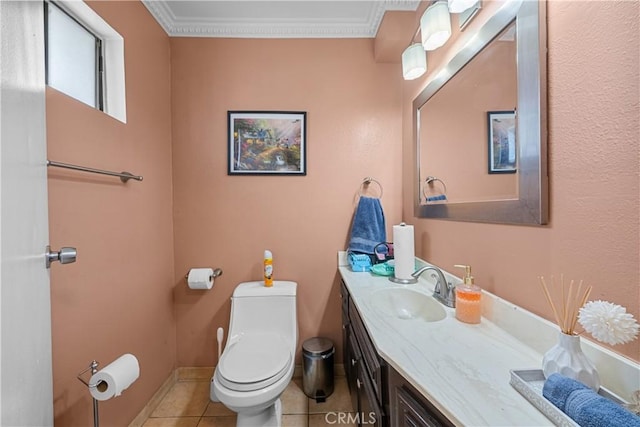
[(85, 56), (73, 57)]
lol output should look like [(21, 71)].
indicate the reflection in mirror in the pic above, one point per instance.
[(456, 120), (480, 127)]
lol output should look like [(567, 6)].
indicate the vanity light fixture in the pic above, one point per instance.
[(414, 61), (459, 6), (435, 25)]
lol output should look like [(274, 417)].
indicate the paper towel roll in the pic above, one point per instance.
[(115, 377), (403, 250), (200, 278)]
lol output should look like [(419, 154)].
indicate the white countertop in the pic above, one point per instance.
[(462, 369)]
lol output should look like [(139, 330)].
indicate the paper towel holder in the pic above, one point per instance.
[(216, 272), (93, 367)]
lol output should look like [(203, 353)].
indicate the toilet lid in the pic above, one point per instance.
[(255, 361)]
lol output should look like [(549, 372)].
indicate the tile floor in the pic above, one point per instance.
[(187, 404)]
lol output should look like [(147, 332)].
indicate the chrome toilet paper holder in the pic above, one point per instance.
[(216, 273), (93, 367)]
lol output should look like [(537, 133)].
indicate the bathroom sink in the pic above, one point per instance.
[(405, 303)]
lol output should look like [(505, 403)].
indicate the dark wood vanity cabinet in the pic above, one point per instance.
[(380, 395), (364, 369), (409, 408)]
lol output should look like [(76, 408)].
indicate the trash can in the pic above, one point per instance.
[(317, 367)]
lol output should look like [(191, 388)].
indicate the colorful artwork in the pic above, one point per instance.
[(267, 142)]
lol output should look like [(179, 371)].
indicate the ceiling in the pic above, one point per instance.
[(274, 19)]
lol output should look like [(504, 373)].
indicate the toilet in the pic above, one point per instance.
[(257, 362)]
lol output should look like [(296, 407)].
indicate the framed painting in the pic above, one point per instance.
[(267, 142), (503, 151)]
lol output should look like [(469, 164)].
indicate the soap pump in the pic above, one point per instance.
[(468, 298)]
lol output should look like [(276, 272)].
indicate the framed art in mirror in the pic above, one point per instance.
[(267, 143), (501, 141)]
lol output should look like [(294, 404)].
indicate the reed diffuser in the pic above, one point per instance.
[(566, 357), (570, 304)]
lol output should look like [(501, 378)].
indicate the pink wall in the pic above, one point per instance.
[(117, 298), (593, 112), (354, 121)]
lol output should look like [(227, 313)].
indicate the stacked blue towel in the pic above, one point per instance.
[(368, 227), (359, 262), (585, 406)]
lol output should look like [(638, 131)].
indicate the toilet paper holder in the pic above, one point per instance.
[(216, 272), (93, 367)]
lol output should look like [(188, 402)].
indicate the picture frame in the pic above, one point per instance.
[(267, 142), (501, 142)]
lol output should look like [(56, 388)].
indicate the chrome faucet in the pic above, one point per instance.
[(444, 291)]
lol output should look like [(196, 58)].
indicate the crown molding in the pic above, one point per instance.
[(365, 27)]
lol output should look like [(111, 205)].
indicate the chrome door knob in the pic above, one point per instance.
[(65, 255)]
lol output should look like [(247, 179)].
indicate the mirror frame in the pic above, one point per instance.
[(532, 205)]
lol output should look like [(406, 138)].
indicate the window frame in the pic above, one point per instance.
[(99, 53), (112, 66)]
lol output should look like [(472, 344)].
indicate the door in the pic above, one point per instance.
[(26, 395)]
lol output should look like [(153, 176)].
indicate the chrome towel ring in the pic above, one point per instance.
[(365, 184), (429, 182)]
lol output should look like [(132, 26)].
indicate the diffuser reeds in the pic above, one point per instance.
[(566, 313)]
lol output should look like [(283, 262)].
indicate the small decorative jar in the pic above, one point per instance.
[(566, 358)]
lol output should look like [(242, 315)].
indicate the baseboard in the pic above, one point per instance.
[(155, 400)]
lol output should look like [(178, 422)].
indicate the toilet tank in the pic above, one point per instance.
[(257, 308)]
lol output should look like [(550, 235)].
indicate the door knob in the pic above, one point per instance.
[(64, 255)]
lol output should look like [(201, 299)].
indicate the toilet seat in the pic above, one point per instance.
[(255, 361)]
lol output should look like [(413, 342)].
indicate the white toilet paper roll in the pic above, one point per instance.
[(114, 378), (200, 278), (403, 251)]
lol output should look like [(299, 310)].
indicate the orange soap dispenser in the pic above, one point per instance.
[(468, 298)]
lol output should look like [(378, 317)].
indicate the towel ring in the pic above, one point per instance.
[(429, 181), (365, 183)]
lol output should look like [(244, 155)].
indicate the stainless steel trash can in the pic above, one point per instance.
[(317, 367)]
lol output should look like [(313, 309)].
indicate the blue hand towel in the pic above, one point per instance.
[(557, 389), (368, 227), (589, 409), (585, 406)]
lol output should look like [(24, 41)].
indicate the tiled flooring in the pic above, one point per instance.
[(187, 404)]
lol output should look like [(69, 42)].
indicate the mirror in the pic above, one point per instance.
[(480, 125)]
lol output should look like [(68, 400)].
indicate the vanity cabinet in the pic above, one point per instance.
[(379, 394), (409, 408), (364, 369)]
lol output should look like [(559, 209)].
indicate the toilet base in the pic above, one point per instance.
[(212, 393), (268, 417)]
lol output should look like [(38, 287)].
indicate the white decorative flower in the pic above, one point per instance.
[(608, 322)]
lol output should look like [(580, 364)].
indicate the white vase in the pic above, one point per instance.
[(566, 358)]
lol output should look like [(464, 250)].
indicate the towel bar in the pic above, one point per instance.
[(124, 176)]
